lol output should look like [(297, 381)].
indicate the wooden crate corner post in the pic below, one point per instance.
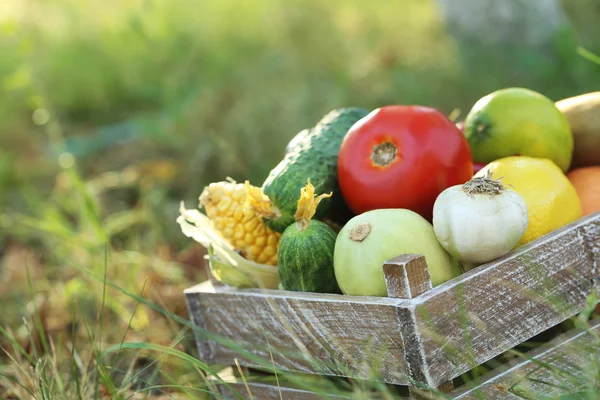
[(204, 346), (406, 277)]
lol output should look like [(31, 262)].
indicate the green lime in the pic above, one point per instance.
[(518, 121)]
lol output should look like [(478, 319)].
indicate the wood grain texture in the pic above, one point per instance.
[(406, 276), (305, 332), (206, 348), (490, 309), (446, 387), (529, 377), (577, 353), (591, 235)]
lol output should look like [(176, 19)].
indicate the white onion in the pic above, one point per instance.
[(479, 221)]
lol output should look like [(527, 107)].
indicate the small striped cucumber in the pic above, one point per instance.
[(306, 247)]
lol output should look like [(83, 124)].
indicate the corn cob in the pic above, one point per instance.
[(226, 264), (243, 229)]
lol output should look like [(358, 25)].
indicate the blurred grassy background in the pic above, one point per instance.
[(218, 88), (112, 112)]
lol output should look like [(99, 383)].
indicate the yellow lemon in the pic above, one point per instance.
[(551, 199)]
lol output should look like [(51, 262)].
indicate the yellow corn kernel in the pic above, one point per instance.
[(249, 238), (223, 203), (260, 241), (228, 232), (272, 241), (270, 250), (239, 193), (254, 250), (251, 225), (238, 214), (240, 233)]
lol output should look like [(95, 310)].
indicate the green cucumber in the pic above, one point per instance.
[(312, 154), (305, 250), (291, 146)]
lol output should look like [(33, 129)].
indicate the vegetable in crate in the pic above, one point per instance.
[(518, 121), (370, 239), (226, 264), (586, 181), (306, 249), (293, 143), (479, 221), (244, 230), (583, 114), (314, 155), (551, 199), (402, 157)]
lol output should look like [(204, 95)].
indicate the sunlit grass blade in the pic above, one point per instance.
[(16, 382), (17, 346), (184, 389), (588, 55), (37, 320), (128, 327), (188, 390), (166, 351), (156, 360), (74, 367)]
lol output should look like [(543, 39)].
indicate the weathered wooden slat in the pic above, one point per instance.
[(532, 376), (493, 308), (407, 277), (304, 332), (577, 353), (591, 235), (205, 347)]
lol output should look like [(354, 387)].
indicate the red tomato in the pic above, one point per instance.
[(402, 157)]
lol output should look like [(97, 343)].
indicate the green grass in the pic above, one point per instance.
[(111, 115)]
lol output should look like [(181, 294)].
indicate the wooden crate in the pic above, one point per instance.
[(417, 333), (532, 376)]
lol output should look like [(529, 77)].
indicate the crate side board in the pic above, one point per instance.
[(587, 228), (575, 348), (591, 234), (491, 309), (311, 333), (210, 287), (205, 347)]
